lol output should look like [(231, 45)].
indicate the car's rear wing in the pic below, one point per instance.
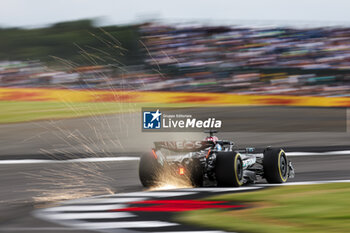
[(183, 146)]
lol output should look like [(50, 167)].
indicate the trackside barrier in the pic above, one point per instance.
[(206, 99)]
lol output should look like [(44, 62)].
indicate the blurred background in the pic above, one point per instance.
[(245, 48), (159, 56)]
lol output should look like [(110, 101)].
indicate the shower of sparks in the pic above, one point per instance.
[(167, 180), (77, 180), (164, 187)]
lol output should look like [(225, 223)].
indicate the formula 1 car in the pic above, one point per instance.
[(212, 162)]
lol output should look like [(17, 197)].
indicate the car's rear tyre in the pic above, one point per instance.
[(196, 173), (149, 168), (229, 169), (275, 164)]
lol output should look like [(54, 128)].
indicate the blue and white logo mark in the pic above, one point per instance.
[(152, 120)]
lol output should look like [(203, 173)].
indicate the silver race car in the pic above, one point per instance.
[(212, 162)]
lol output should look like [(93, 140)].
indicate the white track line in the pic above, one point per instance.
[(84, 208), (103, 159), (117, 159), (82, 160), (36, 229), (131, 224), (25, 161), (296, 154), (342, 152), (307, 183), (106, 200), (220, 189), (75, 216), (194, 232), (153, 194)]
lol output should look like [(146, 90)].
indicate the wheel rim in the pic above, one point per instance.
[(239, 169), (283, 165)]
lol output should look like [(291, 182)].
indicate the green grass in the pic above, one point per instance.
[(303, 208), (22, 111)]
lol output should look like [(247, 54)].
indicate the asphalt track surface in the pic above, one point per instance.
[(121, 133), (19, 184), (27, 187)]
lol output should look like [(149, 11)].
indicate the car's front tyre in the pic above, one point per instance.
[(275, 164)]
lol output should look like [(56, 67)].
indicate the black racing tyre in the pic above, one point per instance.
[(275, 164), (149, 168), (196, 173), (229, 169)]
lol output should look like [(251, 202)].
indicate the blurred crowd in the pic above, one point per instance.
[(238, 60), (252, 60), (191, 46)]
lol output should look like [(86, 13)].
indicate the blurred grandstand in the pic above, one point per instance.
[(196, 58)]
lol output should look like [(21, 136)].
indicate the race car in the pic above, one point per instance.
[(212, 162)]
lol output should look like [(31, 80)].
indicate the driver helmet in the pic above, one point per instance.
[(212, 139)]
